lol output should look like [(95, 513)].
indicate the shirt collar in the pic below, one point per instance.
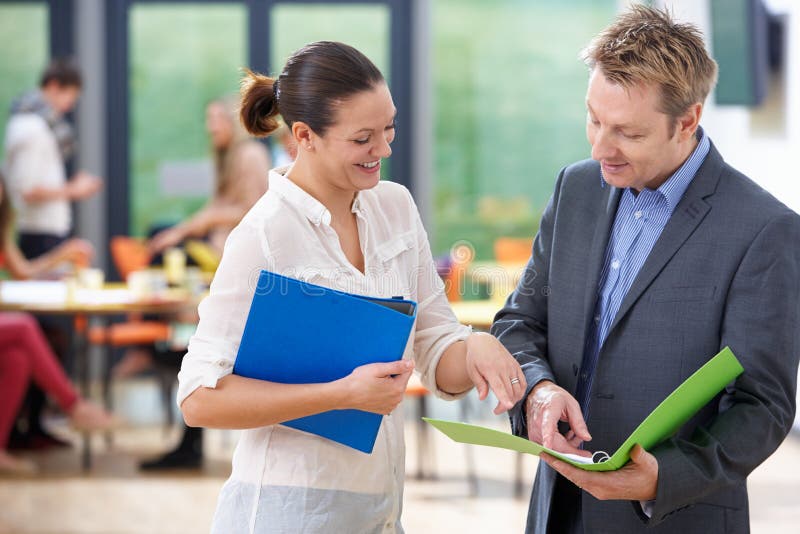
[(675, 186), (313, 209)]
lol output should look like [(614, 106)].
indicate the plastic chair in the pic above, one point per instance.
[(425, 450), (512, 249), (416, 390), (129, 255), (460, 259)]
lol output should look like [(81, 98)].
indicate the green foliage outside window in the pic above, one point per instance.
[(509, 101), (24, 44)]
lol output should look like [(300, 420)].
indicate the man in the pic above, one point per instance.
[(38, 142), (650, 258)]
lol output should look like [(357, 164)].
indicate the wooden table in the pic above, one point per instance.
[(500, 277), (477, 313), (58, 298)]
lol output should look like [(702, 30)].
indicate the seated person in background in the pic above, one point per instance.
[(25, 356), (39, 141), (241, 165), (72, 251), (284, 147)]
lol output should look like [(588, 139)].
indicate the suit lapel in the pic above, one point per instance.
[(687, 217)]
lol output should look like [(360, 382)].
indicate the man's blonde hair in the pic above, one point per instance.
[(644, 45)]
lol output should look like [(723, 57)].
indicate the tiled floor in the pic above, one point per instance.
[(116, 498)]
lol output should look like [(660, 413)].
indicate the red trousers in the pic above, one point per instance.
[(25, 356)]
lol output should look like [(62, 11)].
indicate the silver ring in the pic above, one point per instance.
[(514, 380)]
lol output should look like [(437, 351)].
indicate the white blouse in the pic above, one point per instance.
[(286, 480)]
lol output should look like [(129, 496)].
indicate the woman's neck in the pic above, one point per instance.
[(338, 201)]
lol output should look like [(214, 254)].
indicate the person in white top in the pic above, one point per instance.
[(37, 143), (330, 220)]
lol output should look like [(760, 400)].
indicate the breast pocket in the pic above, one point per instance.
[(395, 261), (683, 294)]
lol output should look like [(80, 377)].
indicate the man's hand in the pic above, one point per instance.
[(83, 185), (548, 404), (637, 481)]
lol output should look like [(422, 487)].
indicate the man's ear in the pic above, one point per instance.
[(689, 121)]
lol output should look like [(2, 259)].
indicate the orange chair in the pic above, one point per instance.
[(425, 451), (460, 258), (512, 249), (416, 390), (129, 255)]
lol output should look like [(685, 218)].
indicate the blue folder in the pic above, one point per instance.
[(302, 333)]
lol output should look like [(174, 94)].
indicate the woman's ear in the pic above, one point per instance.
[(303, 135)]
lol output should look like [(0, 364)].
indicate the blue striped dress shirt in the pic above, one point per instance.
[(639, 221)]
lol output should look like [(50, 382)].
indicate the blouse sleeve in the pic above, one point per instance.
[(437, 327), (223, 313)]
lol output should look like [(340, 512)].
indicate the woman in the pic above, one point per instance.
[(25, 355), (72, 251), (328, 219), (240, 166)]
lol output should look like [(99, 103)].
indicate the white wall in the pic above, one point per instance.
[(753, 141)]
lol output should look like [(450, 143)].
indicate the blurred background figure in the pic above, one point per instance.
[(240, 167), (284, 151), (73, 251), (25, 357), (39, 141)]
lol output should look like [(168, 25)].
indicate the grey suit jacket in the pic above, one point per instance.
[(725, 271)]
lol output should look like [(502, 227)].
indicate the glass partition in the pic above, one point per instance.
[(181, 57), (509, 112), (24, 45)]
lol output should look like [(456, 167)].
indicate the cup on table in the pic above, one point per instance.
[(147, 283), (175, 266), (195, 283), (139, 284), (91, 278)]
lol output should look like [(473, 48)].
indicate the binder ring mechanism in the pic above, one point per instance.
[(600, 457)]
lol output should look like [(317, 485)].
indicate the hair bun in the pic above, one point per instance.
[(259, 109)]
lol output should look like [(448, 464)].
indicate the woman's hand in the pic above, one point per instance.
[(491, 366), (78, 252), (377, 387)]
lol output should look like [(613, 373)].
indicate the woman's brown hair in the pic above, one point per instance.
[(314, 80)]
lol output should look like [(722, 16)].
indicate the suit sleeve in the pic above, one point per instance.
[(521, 326), (762, 328)]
